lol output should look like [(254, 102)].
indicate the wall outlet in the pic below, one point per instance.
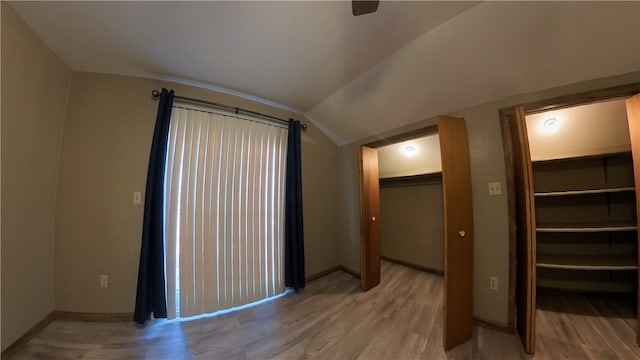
[(495, 189), (104, 281), (137, 197), (493, 283)]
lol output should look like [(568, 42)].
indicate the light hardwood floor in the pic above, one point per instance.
[(586, 326), (331, 319)]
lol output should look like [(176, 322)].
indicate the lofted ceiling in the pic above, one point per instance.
[(353, 77)]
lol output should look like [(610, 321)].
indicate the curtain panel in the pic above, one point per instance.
[(294, 231), (150, 295)]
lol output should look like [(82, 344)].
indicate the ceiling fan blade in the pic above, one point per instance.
[(364, 7)]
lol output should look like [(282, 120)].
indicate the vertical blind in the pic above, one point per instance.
[(224, 211)]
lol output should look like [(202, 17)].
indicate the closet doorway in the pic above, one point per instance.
[(458, 222), (411, 204), (574, 209)]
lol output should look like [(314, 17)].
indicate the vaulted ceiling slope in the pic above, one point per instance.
[(352, 76)]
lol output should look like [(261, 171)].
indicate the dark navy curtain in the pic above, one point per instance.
[(293, 233), (150, 297)]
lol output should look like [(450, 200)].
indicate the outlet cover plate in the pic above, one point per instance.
[(495, 189)]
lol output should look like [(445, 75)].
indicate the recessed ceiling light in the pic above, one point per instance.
[(410, 150), (550, 125)]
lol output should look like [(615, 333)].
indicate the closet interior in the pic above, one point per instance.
[(411, 203), (585, 205)]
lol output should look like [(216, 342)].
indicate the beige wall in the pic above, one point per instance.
[(491, 243), (35, 87), (104, 160), (78, 190), (412, 226)]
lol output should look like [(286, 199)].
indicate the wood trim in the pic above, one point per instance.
[(521, 226), (492, 325), (413, 180), (529, 249), (626, 90), (350, 271), (582, 98), (511, 208), (413, 266), (633, 120), (322, 273), (35, 329), (92, 317), (409, 135), (330, 270)]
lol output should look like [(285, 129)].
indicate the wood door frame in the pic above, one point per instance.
[(555, 103), (523, 228), (633, 121), (409, 135), (458, 331)]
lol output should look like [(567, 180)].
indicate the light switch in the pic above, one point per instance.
[(137, 197), (495, 189), (493, 283)]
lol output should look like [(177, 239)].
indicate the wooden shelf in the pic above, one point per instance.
[(586, 224), (575, 228), (422, 179), (586, 286), (587, 262), (583, 157), (584, 192)]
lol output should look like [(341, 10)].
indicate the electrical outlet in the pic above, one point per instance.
[(104, 281), (137, 197), (495, 189), (493, 283)]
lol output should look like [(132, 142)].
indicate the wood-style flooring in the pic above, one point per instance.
[(586, 326), (333, 319)]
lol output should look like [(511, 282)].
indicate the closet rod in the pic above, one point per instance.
[(155, 94)]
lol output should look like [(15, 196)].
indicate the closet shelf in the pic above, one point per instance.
[(587, 262), (590, 227), (584, 192), (582, 285), (578, 158)]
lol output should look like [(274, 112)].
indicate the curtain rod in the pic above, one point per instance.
[(155, 94)]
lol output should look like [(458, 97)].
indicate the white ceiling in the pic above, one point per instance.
[(590, 129), (394, 160), (596, 128), (352, 76)]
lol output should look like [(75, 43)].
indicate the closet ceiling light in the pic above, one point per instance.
[(410, 150), (550, 125)]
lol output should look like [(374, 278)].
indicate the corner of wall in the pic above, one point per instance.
[(35, 89)]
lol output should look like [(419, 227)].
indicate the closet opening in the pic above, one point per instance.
[(454, 205), (574, 222), (411, 204)]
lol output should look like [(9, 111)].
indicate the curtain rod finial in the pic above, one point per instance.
[(155, 94)]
